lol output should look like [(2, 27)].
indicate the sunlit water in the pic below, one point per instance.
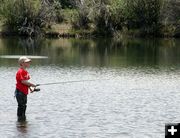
[(137, 89)]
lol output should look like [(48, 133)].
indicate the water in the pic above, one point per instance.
[(142, 92)]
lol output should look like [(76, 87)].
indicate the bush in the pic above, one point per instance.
[(81, 18), (170, 18), (69, 15), (118, 16), (144, 15), (103, 21), (66, 4), (93, 14), (28, 17)]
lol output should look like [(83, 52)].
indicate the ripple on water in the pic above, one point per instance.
[(119, 107), (122, 135)]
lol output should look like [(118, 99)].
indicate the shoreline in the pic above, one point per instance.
[(86, 34), (65, 30)]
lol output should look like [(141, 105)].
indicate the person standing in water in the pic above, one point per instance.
[(22, 87)]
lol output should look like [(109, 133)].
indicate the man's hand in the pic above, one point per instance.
[(34, 89)]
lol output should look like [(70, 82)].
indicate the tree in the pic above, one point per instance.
[(28, 17)]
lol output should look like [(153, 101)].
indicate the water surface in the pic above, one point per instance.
[(142, 92)]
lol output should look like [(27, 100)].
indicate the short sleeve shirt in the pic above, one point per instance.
[(22, 74)]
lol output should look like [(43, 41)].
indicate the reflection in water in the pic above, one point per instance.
[(22, 127), (101, 52)]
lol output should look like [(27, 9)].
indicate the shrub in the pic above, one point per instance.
[(28, 17), (81, 18), (144, 15)]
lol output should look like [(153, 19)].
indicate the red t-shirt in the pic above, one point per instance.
[(22, 74)]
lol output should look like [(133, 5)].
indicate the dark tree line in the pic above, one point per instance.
[(105, 17)]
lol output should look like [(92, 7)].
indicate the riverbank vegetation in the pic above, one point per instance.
[(159, 18)]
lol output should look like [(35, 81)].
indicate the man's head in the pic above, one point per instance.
[(24, 61)]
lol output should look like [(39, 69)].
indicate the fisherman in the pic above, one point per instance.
[(22, 87)]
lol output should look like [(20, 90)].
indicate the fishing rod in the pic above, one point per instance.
[(62, 82)]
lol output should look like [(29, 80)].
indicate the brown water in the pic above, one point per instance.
[(141, 95)]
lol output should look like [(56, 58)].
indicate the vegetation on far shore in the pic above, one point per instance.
[(90, 18)]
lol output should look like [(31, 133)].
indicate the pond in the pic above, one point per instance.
[(134, 92)]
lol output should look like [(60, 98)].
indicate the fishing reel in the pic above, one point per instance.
[(34, 89)]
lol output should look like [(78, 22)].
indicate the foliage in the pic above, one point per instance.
[(106, 17), (28, 17), (69, 15), (144, 15), (103, 20), (111, 15), (80, 18), (66, 4), (93, 13), (118, 15)]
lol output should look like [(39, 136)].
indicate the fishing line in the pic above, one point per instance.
[(63, 82)]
